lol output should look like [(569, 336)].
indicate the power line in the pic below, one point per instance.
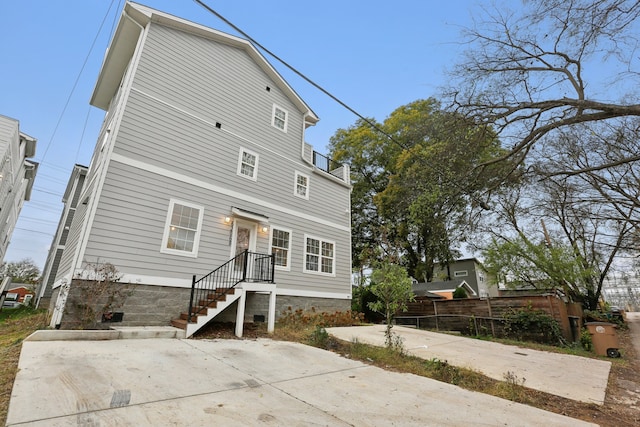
[(75, 84), (307, 79), (34, 231)]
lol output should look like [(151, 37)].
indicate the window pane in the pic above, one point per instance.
[(327, 249), (313, 246), (327, 265), (312, 263)]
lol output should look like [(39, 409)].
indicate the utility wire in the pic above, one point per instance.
[(307, 79), (75, 84)]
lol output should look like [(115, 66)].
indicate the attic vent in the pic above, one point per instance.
[(218, 125), (268, 89)]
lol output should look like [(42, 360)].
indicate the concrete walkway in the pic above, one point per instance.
[(573, 377), (175, 382)]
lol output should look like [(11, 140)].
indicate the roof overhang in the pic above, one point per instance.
[(135, 17), (241, 213)]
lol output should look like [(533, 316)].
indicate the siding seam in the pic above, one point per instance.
[(192, 181)]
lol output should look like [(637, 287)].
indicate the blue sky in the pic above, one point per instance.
[(373, 55)]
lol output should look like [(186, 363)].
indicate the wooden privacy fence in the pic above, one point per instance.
[(484, 316)]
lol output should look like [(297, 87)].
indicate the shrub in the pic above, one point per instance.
[(534, 325)]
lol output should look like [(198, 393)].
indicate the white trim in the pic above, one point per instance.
[(274, 117), (302, 161), (464, 273), (304, 256), (253, 177), (167, 225), (249, 215), (83, 238), (253, 238), (286, 230), (306, 187), (312, 294), (209, 186)]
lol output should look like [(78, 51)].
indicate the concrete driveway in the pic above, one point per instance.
[(573, 377), (139, 382)]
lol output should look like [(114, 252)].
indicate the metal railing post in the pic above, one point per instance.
[(193, 289), (246, 264), (273, 268)]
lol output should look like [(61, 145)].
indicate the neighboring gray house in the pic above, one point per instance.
[(16, 176), (472, 272), (443, 289), (202, 156), (70, 199)]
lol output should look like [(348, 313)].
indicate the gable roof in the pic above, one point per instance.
[(123, 44), (446, 286)]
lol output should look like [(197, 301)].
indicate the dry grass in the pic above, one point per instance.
[(15, 326)]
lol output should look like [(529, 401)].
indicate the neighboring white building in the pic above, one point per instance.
[(16, 176), (202, 156), (71, 198)]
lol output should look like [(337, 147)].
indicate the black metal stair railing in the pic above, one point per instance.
[(244, 267)]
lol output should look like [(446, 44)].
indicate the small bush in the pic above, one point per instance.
[(585, 339), (319, 337), (301, 318), (534, 325)]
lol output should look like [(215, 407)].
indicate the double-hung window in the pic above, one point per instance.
[(281, 248), (279, 118), (248, 164), (182, 229), (301, 185), (319, 256)]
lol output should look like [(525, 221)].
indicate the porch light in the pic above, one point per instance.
[(227, 219), (265, 228)]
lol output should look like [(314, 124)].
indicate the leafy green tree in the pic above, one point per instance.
[(392, 288), (23, 271), (415, 193)]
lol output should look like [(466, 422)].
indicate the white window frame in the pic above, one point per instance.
[(274, 118), (167, 226), (319, 271), (460, 273), (254, 177), (286, 230), (295, 186)]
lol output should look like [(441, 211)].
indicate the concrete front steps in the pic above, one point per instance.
[(217, 301)]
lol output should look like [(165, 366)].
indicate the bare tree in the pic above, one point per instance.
[(553, 65)]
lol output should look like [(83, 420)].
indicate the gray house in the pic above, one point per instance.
[(469, 270), (16, 176), (71, 198), (201, 179)]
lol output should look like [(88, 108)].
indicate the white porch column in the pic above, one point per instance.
[(240, 313), (271, 321)]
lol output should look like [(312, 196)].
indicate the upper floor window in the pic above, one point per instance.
[(182, 229), (302, 185), (460, 273), (279, 118), (281, 247), (319, 256), (248, 164)]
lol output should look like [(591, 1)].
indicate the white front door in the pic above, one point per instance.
[(244, 238)]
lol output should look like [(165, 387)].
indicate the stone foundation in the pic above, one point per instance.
[(146, 305)]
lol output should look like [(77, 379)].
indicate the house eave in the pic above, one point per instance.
[(135, 17)]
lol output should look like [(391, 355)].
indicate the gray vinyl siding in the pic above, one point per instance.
[(216, 82), (73, 238), (129, 223)]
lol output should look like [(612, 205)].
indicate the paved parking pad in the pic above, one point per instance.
[(237, 382), (577, 378)]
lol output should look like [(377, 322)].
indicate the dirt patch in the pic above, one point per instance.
[(622, 401)]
